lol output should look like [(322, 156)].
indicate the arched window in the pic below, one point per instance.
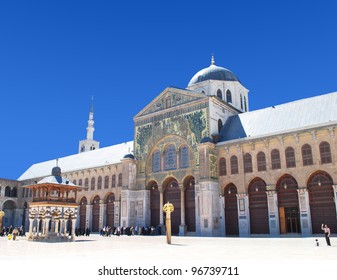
[(307, 155), (170, 158), (325, 152), (245, 103), (275, 159), (290, 157), (184, 162), (219, 125), (106, 182), (7, 191), (86, 183), (99, 183), (168, 102), (219, 94), (113, 181), (247, 163), (229, 96), (80, 182), (74, 182), (234, 165), (93, 182), (120, 179), (156, 161), (241, 103), (261, 162), (14, 192), (222, 167)]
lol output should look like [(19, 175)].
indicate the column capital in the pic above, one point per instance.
[(270, 193), (302, 190), (241, 195)]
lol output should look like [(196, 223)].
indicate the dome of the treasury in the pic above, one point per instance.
[(213, 72)]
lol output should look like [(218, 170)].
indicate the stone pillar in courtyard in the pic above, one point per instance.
[(303, 199), (243, 214), (274, 228), (182, 226)]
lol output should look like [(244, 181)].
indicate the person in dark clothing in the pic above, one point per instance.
[(326, 230)]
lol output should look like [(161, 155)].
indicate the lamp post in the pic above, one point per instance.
[(2, 214), (168, 208)]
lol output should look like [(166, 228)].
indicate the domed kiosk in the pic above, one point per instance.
[(53, 209)]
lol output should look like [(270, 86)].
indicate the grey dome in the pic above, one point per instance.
[(129, 156), (206, 139), (56, 171), (213, 72)]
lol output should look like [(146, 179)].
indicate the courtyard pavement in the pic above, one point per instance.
[(254, 257)]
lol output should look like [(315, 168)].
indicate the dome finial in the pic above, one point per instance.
[(212, 60)]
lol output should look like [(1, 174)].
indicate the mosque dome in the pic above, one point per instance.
[(213, 72), (56, 171), (129, 156), (206, 140)]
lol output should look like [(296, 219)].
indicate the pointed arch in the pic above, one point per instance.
[(189, 189), (173, 195), (110, 210), (288, 204), (228, 96), (321, 200), (219, 93), (258, 207), (95, 213), (154, 203), (231, 210), (83, 213)]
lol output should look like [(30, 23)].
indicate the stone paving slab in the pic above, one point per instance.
[(248, 253)]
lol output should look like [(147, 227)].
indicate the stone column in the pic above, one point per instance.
[(117, 217), (274, 228), (102, 214), (73, 224), (63, 222), (89, 216), (161, 213), (243, 214), (43, 226), (57, 225), (222, 215), (182, 227), (30, 234), (305, 215), (46, 233)]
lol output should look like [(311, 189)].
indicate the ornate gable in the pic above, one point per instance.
[(169, 98)]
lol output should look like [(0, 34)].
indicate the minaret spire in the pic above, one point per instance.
[(212, 60), (90, 127), (89, 143)]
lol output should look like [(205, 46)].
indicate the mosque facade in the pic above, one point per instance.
[(228, 171)]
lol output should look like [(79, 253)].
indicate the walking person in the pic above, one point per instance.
[(326, 230)]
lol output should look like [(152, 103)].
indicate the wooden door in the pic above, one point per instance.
[(231, 214), (190, 208), (172, 194), (155, 207), (283, 226)]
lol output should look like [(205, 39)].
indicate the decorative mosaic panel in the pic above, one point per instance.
[(190, 123)]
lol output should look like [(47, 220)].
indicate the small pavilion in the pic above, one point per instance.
[(53, 210)]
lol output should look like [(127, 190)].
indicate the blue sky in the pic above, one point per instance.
[(55, 55)]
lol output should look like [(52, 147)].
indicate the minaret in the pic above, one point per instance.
[(89, 144)]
